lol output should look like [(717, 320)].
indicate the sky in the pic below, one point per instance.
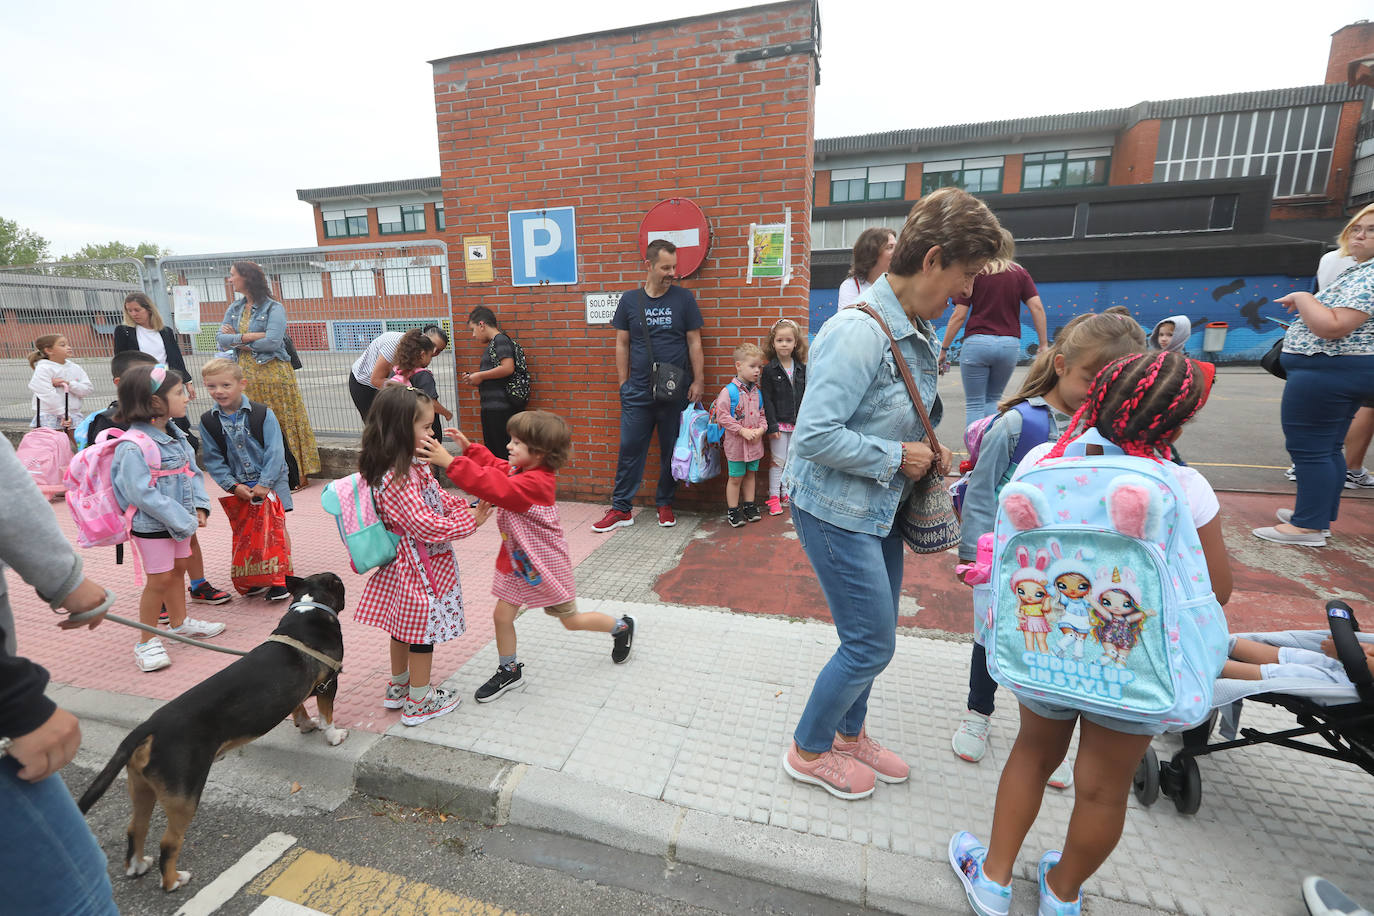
[(192, 125)]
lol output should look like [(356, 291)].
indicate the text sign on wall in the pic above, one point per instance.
[(477, 259), (186, 310), (601, 307), (543, 246)]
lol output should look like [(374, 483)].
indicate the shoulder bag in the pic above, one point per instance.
[(925, 519), (667, 381)]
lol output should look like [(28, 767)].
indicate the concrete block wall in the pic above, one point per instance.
[(612, 123)]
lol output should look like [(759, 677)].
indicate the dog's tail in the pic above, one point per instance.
[(117, 763)]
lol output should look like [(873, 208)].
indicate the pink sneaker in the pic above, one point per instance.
[(886, 765), (774, 506), (839, 774)]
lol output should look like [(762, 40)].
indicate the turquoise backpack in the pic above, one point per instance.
[(354, 507), (1101, 600)]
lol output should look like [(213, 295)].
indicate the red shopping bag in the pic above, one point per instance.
[(262, 556)]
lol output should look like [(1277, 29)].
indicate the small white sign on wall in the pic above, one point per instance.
[(601, 307), (186, 309)]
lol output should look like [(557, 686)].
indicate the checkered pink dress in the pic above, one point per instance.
[(415, 604), (527, 516)]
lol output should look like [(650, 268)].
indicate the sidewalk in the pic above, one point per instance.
[(676, 753)]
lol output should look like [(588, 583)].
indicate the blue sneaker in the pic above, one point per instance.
[(1050, 905), (966, 856)]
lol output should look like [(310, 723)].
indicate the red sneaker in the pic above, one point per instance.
[(613, 520), (666, 518)]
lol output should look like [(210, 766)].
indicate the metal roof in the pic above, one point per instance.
[(1102, 119), (311, 195)]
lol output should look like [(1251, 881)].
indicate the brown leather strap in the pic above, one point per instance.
[(335, 666), (911, 388)]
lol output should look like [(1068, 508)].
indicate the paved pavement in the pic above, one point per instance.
[(676, 753)]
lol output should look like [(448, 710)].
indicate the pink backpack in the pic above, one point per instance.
[(91, 493), (45, 454)]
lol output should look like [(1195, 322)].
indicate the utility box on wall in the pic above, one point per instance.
[(717, 108)]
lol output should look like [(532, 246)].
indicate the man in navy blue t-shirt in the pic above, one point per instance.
[(675, 323)]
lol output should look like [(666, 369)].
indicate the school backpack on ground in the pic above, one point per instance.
[(354, 507), (1101, 599), (694, 458), (715, 433), (45, 454), (257, 416), (1035, 427)]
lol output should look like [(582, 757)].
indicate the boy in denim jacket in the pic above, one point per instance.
[(243, 466)]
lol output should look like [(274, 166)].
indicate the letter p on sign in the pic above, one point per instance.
[(543, 246)]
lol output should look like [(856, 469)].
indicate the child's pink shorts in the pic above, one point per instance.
[(160, 554)]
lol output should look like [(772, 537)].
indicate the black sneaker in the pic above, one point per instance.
[(750, 512), (278, 593), (162, 618), (206, 593), (259, 592), (623, 640), (504, 679), (734, 516)]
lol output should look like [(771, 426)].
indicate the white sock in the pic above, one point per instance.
[(418, 693)]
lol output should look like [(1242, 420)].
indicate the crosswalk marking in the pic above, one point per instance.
[(232, 879), (275, 906)]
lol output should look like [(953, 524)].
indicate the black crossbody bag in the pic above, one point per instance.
[(667, 381)]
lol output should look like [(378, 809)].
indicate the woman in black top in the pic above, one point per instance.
[(143, 329), (492, 380), (783, 383)]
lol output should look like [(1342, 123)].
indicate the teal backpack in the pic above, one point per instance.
[(354, 507), (1100, 596)]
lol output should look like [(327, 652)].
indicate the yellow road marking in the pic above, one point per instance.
[(341, 889)]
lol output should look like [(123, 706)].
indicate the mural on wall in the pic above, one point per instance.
[(1245, 304)]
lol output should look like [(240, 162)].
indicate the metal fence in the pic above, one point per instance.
[(337, 300)]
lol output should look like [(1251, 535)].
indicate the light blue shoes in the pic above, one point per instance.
[(966, 857), (1050, 905)]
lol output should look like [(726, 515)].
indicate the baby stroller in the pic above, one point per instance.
[(1343, 715)]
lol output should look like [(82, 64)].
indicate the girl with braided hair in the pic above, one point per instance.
[(1140, 403)]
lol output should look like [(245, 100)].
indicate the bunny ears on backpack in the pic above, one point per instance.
[(1133, 504), (1028, 571)]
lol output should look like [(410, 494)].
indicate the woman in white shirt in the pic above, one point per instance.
[(872, 255), (143, 329)]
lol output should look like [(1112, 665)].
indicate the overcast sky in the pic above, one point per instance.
[(192, 125)]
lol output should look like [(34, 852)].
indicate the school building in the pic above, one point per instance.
[(558, 159)]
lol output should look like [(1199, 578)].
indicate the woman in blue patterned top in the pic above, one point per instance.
[(1328, 354)]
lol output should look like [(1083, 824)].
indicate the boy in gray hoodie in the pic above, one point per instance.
[(1171, 334)]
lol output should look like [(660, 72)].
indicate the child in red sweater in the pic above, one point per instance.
[(532, 568)]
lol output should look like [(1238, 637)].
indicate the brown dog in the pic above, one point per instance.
[(168, 757)]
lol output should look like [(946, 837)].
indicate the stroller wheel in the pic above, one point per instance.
[(1146, 782), (1188, 798)]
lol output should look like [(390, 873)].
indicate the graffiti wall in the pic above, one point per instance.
[(1245, 304)]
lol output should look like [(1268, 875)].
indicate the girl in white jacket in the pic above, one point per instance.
[(59, 383)]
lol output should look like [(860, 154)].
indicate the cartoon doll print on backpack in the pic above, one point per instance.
[(1101, 597)]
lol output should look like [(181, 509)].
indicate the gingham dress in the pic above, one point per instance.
[(412, 604), (527, 516)]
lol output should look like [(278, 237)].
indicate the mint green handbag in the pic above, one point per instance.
[(354, 507)]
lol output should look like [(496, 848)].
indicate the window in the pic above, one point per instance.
[(302, 286), (209, 289), (843, 233), (977, 176), (402, 281), (1074, 168), (1292, 144), (391, 220), (413, 218), (439, 217), (356, 283), (881, 182), (340, 224)]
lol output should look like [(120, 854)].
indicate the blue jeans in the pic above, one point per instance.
[(640, 414), (985, 364), (1319, 401), (861, 576), (50, 861)]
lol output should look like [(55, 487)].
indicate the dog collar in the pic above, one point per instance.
[(334, 665), (303, 605)]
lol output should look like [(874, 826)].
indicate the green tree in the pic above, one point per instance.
[(110, 250), (19, 245)]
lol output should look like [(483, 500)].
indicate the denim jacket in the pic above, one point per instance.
[(269, 318), (843, 463), (167, 504), (248, 462)]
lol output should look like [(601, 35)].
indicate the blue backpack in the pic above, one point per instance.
[(694, 457), (715, 433), (1100, 596), (1035, 427)]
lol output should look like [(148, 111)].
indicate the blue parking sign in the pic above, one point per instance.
[(543, 246)]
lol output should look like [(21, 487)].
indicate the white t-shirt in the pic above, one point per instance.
[(1331, 266), (151, 342), (851, 290), (383, 346), (1202, 501)]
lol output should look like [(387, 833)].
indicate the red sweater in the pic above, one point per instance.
[(493, 479)]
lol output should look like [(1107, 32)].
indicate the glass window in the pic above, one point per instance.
[(354, 283), (439, 217), (402, 281), (1069, 168), (413, 218), (345, 223), (210, 289), (302, 286), (389, 220), (882, 182)]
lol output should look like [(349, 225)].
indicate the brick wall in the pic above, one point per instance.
[(612, 123), (912, 188), (1133, 157), (1011, 172), (1350, 43)]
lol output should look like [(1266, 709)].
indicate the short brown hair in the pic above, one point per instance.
[(866, 251), (657, 245), (221, 366), (259, 290), (546, 434), (959, 223), (139, 400)]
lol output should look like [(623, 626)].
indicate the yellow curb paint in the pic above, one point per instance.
[(342, 889)]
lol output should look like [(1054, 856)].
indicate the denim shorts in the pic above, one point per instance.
[(1065, 713)]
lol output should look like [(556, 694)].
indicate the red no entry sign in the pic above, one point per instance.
[(680, 221)]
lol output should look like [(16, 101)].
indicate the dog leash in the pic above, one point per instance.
[(108, 603)]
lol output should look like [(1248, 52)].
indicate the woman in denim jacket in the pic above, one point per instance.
[(855, 453), (255, 328)]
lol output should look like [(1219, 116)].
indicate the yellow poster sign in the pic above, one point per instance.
[(477, 259)]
